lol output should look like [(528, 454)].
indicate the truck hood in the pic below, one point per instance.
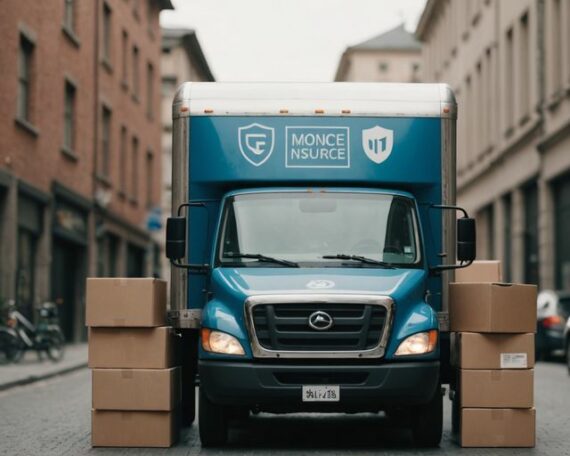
[(245, 282)]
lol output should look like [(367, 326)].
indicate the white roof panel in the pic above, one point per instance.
[(308, 99)]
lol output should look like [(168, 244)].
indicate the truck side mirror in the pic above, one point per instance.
[(466, 239), (176, 238)]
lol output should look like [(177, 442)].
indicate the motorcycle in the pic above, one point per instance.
[(46, 337)]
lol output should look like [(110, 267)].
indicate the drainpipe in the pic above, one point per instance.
[(91, 245)]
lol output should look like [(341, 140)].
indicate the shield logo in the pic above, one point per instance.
[(377, 143), (256, 143)]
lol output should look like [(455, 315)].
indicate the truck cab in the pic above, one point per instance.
[(312, 239)]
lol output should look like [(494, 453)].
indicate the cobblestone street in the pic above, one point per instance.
[(52, 418)]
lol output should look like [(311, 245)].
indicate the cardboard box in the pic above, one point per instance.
[(481, 427), (136, 389), (111, 428), (496, 388), (492, 351), (492, 307), (131, 348), (126, 302), (480, 271)]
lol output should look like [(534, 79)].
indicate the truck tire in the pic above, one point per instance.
[(427, 421), (212, 422)]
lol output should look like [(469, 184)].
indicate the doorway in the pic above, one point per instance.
[(68, 277)]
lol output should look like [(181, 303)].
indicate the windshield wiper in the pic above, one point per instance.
[(362, 259), (262, 258)]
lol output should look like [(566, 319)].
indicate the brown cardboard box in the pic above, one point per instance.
[(480, 271), (496, 388), (126, 302), (492, 307), (110, 428), (482, 427), (492, 351), (131, 348), (136, 389)]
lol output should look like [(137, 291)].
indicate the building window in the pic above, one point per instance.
[(30, 223), (136, 259), (490, 100), (123, 162), (106, 33), (562, 221), (168, 85), (383, 67), (509, 83), (531, 234), (150, 17), (149, 178), (105, 142), (137, 9), (556, 46), (107, 250), (25, 78), (134, 169), (69, 117), (136, 80), (125, 58), (69, 14), (149, 90), (524, 70), (479, 125)]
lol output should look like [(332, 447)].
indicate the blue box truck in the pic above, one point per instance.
[(313, 235)]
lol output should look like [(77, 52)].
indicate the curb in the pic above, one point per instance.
[(37, 378)]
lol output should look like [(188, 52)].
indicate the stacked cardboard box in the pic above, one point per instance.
[(492, 348), (135, 386)]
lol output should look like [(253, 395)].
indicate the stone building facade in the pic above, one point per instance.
[(80, 151), (182, 60), (509, 64), (392, 56)]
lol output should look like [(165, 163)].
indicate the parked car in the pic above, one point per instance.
[(553, 310)]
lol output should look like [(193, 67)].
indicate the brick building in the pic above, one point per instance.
[(79, 147), (509, 64)]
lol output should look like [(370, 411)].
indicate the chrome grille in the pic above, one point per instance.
[(281, 329), (285, 326)]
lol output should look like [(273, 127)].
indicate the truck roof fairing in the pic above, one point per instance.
[(310, 99)]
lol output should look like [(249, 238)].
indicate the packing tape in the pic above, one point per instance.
[(496, 375), (497, 415), (126, 373)]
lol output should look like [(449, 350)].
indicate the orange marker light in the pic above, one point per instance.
[(205, 333)]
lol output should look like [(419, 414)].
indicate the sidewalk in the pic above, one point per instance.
[(31, 369)]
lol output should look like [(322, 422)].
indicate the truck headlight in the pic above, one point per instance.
[(220, 342), (418, 344)]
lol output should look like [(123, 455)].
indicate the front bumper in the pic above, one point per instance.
[(277, 387)]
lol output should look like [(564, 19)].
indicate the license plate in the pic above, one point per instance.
[(321, 393)]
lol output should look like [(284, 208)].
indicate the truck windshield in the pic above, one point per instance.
[(305, 227)]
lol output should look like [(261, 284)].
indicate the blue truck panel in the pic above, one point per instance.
[(220, 161)]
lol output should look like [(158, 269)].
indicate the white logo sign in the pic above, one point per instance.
[(377, 143), (256, 143), (320, 284)]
